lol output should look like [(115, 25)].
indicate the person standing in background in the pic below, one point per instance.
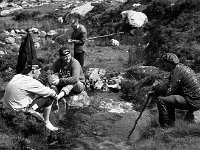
[(78, 38)]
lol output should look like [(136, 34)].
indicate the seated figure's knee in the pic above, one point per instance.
[(67, 89), (54, 88)]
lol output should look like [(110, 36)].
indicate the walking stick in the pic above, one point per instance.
[(136, 121)]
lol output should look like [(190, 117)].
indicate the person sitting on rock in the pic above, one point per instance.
[(182, 91), (25, 93), (71, 76)]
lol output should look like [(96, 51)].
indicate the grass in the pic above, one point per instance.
[(183, 136)]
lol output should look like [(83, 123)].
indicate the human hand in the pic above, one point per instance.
[(55, 81), (70, 41)]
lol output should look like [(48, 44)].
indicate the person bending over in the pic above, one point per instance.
[(182, 91)]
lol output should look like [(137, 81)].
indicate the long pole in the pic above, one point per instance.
[(91, 38), (136, 121)]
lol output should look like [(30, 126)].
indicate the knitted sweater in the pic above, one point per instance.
[(183, 81), (69, 73)]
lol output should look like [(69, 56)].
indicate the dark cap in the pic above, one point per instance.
[(170, 57), (35, 64), (64, 51)]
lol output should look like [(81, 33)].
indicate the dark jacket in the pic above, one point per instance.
[(27, 53), (183, 81), (70, 73), (79, 34)]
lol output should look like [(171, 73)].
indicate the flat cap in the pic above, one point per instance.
[(171, 57)]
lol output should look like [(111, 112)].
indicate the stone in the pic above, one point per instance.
[(79, 100), (51, 33), (134, 18), (10, 40), (196, 116)]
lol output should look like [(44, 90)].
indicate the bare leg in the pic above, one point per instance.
[(46, 115), (61, 95)]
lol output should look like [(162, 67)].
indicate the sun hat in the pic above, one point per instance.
[(171, 57), (63, 51)]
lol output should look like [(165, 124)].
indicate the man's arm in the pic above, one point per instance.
[(174, 81), (38, 88)]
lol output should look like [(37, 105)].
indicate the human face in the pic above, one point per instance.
[(74, 24), (66, 58), (36, 72)]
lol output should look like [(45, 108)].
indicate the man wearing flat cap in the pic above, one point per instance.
[(182, 91), (69, 70)]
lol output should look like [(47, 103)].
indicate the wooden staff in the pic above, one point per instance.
[(136, 121), (91, 38)]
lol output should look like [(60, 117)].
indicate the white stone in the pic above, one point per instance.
[(136, 5), (83, 9), (10, 11), (34, 30), (135, 19), (51, 33), (10, 40), (114, 42), (197, 116)]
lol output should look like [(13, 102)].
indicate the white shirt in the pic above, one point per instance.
[(21, 91)]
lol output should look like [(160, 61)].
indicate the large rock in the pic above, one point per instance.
[(10, 40), (10, 11), (79, 100), (134, 18), (83, 9)]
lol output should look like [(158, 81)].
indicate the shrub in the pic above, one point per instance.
[(7, 61), (22, 123), (158, 9), (26, 15)]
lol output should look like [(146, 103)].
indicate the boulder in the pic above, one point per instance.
[(10, 40), (134, 18), (51, 33), (10, 11), (83, 9), (3, 4), (79, 100)]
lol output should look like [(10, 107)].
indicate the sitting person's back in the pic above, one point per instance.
[(22, 91)]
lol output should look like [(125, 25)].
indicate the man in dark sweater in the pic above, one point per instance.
[(71, 76), (78, 37), (182, 91)]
